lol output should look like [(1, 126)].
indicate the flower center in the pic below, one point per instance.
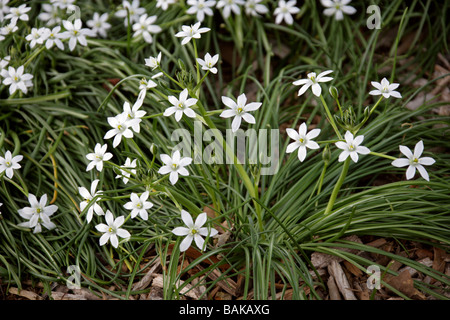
[(75, 32), (98, 157), (139, 205), (16, 78), (194, 231), (414, 161), (301, 140), (111, 230), (239, 110), (181, 105), (200, 6), (8, 164), (174, 166), (351, 147), (39, 210)]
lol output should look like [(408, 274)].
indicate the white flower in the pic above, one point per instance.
[(98, 24), (8, 29), (385, 88), (190, 32), (351, 147), (285, 10), (36, 37), (9, 163), (194, 231), (111, 230), (209, 63), (230, 5), (50, 14), (19, 13), (164, 4), (145, 27), (139, 205), (255, 8), (133, 113), (75, 33), (153, 62), (3, 9), (414, 161), (16, 79), (62, 4), (313, 80), (201, 8), (121, 127), (128, 170), (88, 196), (181, 106), (134, 10), (54, 37), (146, 84), (337, 8), (239, 110), (98, 156), (174, 165), (39, 213), (302, 140)]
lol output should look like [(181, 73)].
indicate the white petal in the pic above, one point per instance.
[(301, 153), (180, 231), (410, 172), (187, 219), (423, 172), (427, 161), (402, 162), (236, 123), (186, 243)]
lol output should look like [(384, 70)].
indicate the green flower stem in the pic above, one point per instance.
[(376, 105), (338, 186), (330, 118), (197, 87), (196, 65), (382, 155), (34, 55), (170, 78), (153, 116)]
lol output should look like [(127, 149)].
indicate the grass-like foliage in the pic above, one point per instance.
[(137, 209)]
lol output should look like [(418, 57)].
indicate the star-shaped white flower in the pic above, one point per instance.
[(255, 8), (144, 85), (164, 4), (174, 166), (98, 156), (75, 33), (133, 9), (230, 5), (313, 82), (139, 205), (386, 89), (54, 37), (181, 106), (49, 14), (88, 196), (337, 8), (201, 8), (239, 110), (16, 79), (111, 230), (121, 126), (133, 113), (153, 62), (62, 4), (209, 62), (193, 231), (99, 24), (414, 161), (18, 13), (35, 37), (128, 169), (302, 140), (38, 214), (351, 147), (189, 32), (8, 29), (285, 10), (146, 28), (9, 163)]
